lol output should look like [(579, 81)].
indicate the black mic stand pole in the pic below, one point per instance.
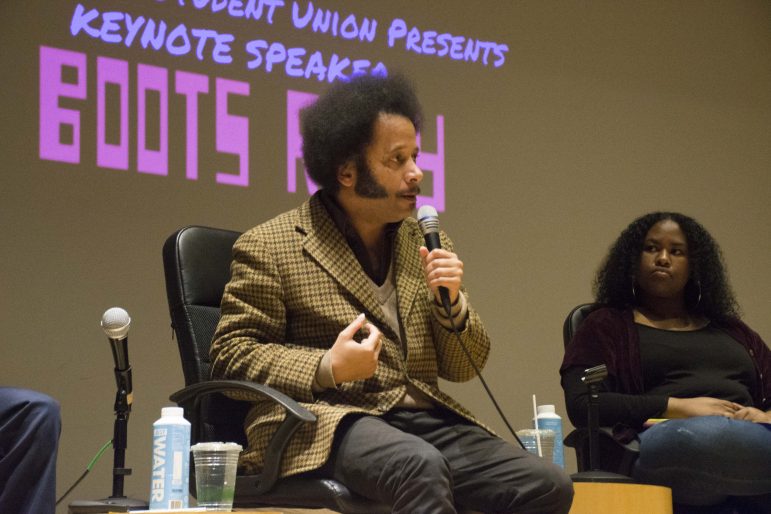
[(117, 502), (119, 438), (594, 426), (592, 378)]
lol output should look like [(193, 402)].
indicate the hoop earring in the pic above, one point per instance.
[(634, 291), (698, 299)]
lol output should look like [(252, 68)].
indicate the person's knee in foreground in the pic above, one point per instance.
[(338, 304), (30, 425)]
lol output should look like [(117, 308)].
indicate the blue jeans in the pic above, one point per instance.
[(707, 459)]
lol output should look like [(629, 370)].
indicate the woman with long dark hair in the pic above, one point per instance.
[(668, 329)]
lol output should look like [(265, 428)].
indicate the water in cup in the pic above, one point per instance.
[(528, 438), (215, 474)]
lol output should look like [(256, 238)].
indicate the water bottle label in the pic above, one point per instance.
[(556, 425), (169, 480), (176, 472)]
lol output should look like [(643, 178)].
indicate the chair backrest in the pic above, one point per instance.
[(196, 264), (574, 319)]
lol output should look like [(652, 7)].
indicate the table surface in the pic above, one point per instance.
[(260, 510)]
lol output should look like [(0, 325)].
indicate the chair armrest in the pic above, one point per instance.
[(296, 415), (224, 386), (615, 456)]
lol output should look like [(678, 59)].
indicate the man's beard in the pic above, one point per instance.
[(366, 185)]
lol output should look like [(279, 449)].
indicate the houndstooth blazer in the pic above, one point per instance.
[(295, 284)]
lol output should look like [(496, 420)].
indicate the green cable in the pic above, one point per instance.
[(99, 454), (88, 468)]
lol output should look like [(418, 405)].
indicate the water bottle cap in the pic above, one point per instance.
[(172, 412), (546, 409)]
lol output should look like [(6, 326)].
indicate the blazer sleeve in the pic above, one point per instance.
[(453, 362), (249, 343)]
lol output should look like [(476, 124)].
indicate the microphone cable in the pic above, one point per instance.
[(428, 221), (448, 310), (88, 469)]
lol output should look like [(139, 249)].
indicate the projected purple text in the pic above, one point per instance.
[(232, 131)]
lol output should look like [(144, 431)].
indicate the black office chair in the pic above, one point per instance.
[(614, 456), (196, 263)]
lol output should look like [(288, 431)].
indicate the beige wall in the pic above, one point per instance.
[(603, 111)]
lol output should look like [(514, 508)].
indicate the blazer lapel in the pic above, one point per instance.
[(325, 244), (409, 270)]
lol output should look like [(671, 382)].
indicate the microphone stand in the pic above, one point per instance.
[(117, 502), (592, 378)]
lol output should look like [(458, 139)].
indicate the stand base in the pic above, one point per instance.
[(600, 476), (106, 505)]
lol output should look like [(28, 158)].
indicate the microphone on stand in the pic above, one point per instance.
[(428, 221), (592, 377), (116, 323)]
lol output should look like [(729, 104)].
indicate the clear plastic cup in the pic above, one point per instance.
[(215, 474), (528, 438)]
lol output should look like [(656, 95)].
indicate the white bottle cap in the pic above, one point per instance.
[(172, 412), (546, 409)]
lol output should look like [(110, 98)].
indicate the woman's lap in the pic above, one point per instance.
[(705, 459)]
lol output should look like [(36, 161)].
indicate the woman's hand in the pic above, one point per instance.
[(753, 414), (701, 406)]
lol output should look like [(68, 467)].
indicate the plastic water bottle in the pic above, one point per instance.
[(171, 460), (548, 419)]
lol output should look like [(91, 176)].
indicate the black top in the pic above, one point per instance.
[(681, 364), (688, 364)]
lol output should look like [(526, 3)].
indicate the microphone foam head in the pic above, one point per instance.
[(427, 211), (428, 219), (115, 323)]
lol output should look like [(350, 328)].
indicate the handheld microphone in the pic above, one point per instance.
[(116, 323), (428, 220)]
